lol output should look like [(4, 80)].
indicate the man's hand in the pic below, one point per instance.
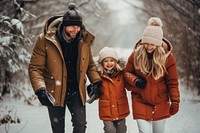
[(92, 98), (45, 97), (94, 91)]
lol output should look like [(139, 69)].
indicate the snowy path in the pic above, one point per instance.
[(35, 120)]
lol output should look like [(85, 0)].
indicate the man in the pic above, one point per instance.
[(60, 61)]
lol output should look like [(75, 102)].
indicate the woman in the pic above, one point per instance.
[(152, 77)]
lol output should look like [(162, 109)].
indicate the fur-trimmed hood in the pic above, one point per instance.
[(121, 62), (52, 24)]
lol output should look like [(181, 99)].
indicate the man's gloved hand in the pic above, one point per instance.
[(174, 108), (94, 88), (45, 97), (92, 98), (140, 83), (94, 91)]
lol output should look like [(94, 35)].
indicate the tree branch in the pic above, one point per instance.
[(26, 12), (179, 8), (136, 7), (84, 3), (195, 2)]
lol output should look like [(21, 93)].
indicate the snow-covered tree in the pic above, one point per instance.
[(13, 54), (14, 50)]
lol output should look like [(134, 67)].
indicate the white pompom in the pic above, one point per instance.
[(154, 21)]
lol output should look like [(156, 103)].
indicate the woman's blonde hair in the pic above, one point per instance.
[(102, 69), (156, 66)]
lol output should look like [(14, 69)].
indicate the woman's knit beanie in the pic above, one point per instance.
[(153, 33)]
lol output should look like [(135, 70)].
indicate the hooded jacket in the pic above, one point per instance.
[(153, 102), (47, 67), (113, 102)]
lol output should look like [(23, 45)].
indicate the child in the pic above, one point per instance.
[(113, 103), (152, 76)]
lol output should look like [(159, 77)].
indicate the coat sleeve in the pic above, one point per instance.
[(92, 73), (37, 64), (172, 80), (129, 75)]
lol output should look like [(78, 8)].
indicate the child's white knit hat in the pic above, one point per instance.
[(153, 33), (107, 52)]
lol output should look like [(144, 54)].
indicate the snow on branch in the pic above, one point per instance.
[(27, 14)]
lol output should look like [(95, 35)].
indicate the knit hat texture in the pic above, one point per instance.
[(153, 33), (107, 52), (72, 16)]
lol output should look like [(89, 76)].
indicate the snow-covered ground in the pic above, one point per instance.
[(34, 119)]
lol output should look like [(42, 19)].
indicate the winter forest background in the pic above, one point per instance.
[(115, 23)]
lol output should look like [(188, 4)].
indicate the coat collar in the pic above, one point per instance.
[(51, 26)]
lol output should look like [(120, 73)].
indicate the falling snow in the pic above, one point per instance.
[(58, 82)]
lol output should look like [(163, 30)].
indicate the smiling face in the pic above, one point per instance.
[(149, 47), (72, 31), (109, 63)]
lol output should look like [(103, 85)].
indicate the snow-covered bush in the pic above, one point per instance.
[(14, 57), (8, 116)]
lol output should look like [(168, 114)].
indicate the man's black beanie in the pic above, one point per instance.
[(72, 16)]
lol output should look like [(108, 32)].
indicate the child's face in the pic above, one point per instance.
[(108, 63), (149, 47)]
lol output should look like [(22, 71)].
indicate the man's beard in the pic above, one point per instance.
[(69, 35)]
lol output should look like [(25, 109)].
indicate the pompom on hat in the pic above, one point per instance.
[(72, 16), (107, 52), (153, 33)]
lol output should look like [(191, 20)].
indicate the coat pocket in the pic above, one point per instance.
[(162, 110), (123, 106), (104, 108), (138, 107), (50, 84)]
